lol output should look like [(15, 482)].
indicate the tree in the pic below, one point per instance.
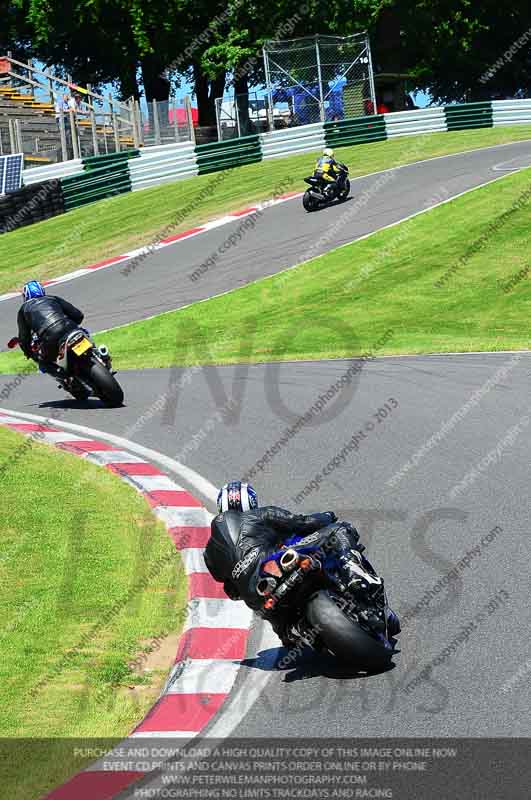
[(450, 46), (15, 31)]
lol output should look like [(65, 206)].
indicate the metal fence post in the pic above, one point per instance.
[(114, 123), (62, 135), (105, 132), (50, 87), (12, 142), (73, 132), (156, 121), (18, 137), (371, 77), (189, 117), (237, 116), (92, 117), (175, 123), (320, 79), (95, 145), (139, 122), (269, 110), (132, 117)]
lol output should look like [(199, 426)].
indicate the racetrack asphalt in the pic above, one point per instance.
[(284, 235), (416, 531)]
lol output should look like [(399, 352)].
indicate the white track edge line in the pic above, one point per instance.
[(193, 478)]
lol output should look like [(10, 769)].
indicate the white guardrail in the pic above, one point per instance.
[(409, 123), (290, 141), (162, 164), (511, 112), (51, 171)]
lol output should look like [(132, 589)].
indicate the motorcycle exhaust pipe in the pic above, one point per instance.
[(103, 351), (266, 586), (289, 560)]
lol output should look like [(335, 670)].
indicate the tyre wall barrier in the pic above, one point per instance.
[(31, 204)]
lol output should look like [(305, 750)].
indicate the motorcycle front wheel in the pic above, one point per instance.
[(344, 637), (344, 193)]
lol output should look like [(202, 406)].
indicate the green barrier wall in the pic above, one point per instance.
[(468, 115), (358, 130), (103, 176), (230, 153)]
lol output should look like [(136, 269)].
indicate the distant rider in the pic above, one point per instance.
[(327, 168), (50, 319), (234, 559)]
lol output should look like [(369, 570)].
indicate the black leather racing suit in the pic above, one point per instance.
[(51, 318), (241, 540)]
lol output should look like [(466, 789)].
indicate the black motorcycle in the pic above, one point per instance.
[(322, 192), (83, 368), (351, 622)]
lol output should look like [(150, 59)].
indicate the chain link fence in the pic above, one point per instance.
[(242, 115), (167, 122), (318, 78)]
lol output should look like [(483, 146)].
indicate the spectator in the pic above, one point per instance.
[(62, 104)]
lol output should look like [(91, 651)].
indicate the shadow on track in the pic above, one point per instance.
[(306, 664), (92, 404)]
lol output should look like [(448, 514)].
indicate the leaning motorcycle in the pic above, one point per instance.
[(353, 623), (84, 369), (321, 192)]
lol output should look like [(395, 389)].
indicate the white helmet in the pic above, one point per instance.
[(328, 152)]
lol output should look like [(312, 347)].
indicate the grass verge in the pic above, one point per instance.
[(116, 225), (88, 579), (456, 278)]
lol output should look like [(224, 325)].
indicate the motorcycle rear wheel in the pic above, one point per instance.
[(79, 392), (105, 385), (309, 202), (345, 639)]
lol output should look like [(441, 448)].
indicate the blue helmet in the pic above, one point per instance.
[(33, 289), (237, 496)]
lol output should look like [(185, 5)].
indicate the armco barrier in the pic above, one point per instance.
[(51, 171), (102, 176), (30, 204), (96, 184), (410, 123), (161, 164), (511, 112), (359, 130), (230, 153), (469, 115), (290, 141), (109, 159)]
